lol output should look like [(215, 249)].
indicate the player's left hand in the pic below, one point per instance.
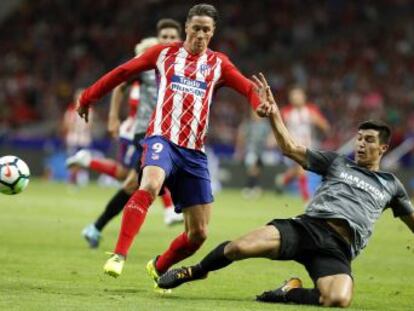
[(264, 110)]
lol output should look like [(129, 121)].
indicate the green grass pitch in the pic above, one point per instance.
[(45, 264)]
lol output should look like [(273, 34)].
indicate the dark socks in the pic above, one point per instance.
[(303, 296), (215, 260), (252, 181), (113, 208)]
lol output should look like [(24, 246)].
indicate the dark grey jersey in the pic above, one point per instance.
[(147, 100), (256, 134), (355, 194)]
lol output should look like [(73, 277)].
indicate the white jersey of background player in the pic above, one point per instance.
[(301, 117), (77, 135)]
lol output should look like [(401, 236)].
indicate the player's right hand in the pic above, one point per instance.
[(83, 111), (113, 126)]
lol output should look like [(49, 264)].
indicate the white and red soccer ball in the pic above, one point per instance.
[(14, 175)]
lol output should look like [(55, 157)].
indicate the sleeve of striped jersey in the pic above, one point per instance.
[(122, 73), (285, 112), (232, 77), (315, 111)]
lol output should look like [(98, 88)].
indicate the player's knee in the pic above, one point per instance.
[(152, 186), (236, 250), (197, 235), (336, 300), (121, 173), (130, 186)]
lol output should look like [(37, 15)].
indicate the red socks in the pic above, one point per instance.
[(132, 219), (303, 187), (166, 199), (287, 178), (179, 249), (105, 166)]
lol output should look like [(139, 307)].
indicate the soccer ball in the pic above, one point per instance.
[(14, 175)]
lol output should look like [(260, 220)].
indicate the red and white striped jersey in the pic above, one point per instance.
[(186, 83), (299, 122)]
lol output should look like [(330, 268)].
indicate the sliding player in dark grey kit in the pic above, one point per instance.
[(337, 223)]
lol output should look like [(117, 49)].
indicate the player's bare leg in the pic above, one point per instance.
[(335, 290), (134, 215), (262, 242), (330, 291), (130, 184), (196, 219)]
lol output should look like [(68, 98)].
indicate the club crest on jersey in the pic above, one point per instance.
[(205, 69)]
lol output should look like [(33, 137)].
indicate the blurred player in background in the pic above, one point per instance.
[(142, 101), (335, 227), (251, 144), (174, 145), (300, 118), (77, 136)]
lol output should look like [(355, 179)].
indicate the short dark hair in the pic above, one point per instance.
[(383, 129), (168, 23), (203, 9)]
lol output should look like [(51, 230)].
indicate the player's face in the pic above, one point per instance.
[(297, 97), (199, 31), (368, 149), (168, 35)]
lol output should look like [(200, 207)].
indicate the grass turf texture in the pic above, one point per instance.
[(45, 264)]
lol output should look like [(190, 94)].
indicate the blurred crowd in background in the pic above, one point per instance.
[(355, 58)]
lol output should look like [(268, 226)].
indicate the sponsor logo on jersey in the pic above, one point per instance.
[(189, 86), (361, 184)]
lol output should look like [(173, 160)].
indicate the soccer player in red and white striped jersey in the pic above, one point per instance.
[(142, 102), (188, 73)]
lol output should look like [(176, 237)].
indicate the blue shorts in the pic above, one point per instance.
[(128, 154), (186, 171)]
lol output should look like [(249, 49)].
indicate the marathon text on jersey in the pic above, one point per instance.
[(361, 184)]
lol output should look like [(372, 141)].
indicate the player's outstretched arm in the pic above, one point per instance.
[(237, 81), (289, 147), (122, 73)]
